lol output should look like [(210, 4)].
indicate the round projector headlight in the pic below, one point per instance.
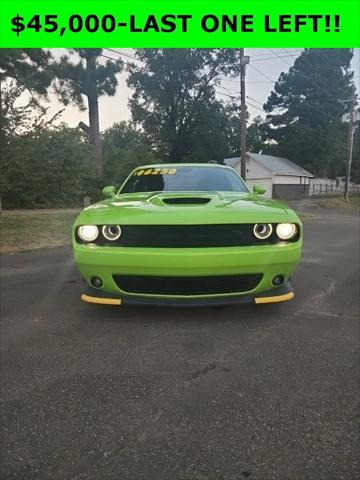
[(262, 231), (285, 231), (88, 233), (111, 232)]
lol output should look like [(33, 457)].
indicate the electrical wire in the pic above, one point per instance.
[(123, 54), (114, 59), (266, 54), (232, 96), (273, 58), (320, 88), (261, 73), (302, 74), (308, 129), (253, 99)]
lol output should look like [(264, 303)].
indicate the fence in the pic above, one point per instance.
[(333, 189), (284, 191)]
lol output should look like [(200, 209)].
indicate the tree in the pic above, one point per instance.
[(215, 132), (45, 166), (87, 78), (305, 110), (13, 117), (256, 135), (124, 148), (174, 97), (29, 67)]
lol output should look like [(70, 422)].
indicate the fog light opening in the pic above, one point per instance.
[(278, 280), (96, 282)]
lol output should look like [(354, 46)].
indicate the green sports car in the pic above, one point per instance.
[(186, 234)]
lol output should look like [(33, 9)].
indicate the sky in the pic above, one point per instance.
[(264, 68)]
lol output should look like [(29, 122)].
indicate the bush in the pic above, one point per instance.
[(45, 167)]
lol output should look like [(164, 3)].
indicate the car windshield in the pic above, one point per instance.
[(184, 179)]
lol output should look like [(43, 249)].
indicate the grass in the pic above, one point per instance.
[(21, 231)]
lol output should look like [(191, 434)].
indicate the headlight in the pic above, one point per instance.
[(285, 231), (88, 233), (111, 232), (262, 231)]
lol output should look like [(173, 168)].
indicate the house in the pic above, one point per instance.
[(281, 177)]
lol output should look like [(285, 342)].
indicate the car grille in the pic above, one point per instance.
[(187, 236), (204, 285)]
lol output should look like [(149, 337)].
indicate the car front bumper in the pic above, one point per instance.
[(268, 260), (280, 294)]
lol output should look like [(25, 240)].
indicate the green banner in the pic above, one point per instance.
[(185, 23)]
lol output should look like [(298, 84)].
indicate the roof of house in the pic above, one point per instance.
[(276, 165)]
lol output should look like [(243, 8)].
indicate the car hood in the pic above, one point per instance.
[(186, 208)]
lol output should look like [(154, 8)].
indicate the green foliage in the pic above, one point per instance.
[(175, 100), (90, 78), (256, 136), (46, 166), (28, 66), (12, 118), (73, 79), (181, 119), (305, 110), (124, 148)]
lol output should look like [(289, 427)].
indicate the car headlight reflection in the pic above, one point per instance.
[(262, 231), (88, 233), (285, 231), (111, 232)]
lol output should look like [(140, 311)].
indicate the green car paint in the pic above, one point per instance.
[(215, 212)]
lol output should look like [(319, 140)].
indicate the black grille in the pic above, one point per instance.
[(183, 236), (187, 285)]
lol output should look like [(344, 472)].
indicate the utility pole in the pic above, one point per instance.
[(244, 60), (349, 148)]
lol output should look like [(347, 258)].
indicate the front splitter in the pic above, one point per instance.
[(280, 294)]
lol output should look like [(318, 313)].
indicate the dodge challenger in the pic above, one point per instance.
[(186, 234)]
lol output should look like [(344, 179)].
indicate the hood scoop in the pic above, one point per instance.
[(186, 200)]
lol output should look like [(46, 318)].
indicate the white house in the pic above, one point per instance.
[(281, 177)]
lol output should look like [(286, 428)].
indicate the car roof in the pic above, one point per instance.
[(174, 165)]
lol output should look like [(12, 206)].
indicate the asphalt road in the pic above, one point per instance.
[(260, 392)]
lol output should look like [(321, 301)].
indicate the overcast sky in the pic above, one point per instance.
[(265, 67)]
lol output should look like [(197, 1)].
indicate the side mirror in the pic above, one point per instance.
[(109, 191), (259, 190)]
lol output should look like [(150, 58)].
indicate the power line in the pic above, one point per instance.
[(118, 59), (304, 75), (123, 54), (315, 135), (257, 108), (273, 58), (289, 53), (224, 88), (233, 97), (114, 59), (261, 73), (311, 80), (266, 54), (234, 81), (253, 99)]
